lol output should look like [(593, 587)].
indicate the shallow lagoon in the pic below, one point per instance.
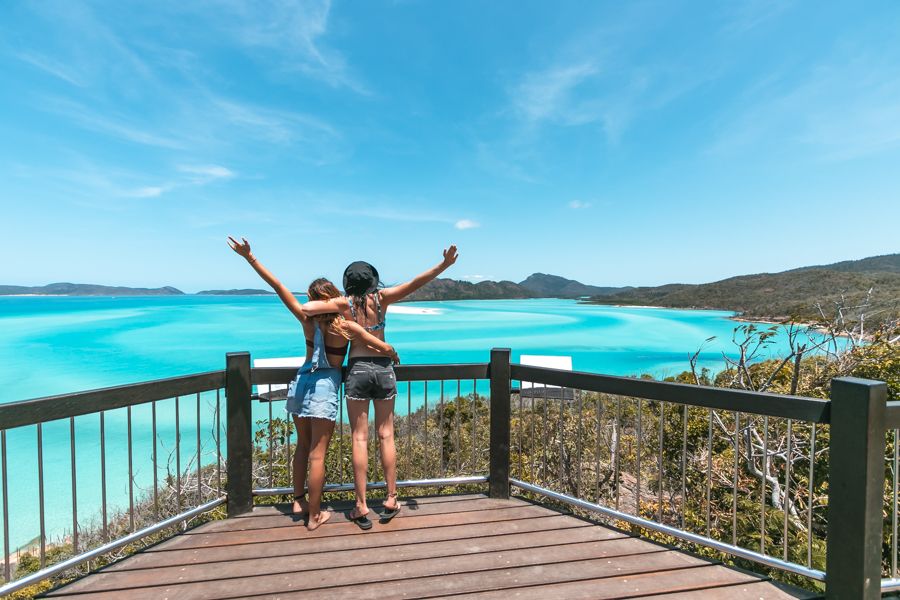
[(58, 345)]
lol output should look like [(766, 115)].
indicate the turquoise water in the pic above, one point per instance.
[(58, 345)]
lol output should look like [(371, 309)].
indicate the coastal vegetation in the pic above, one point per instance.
[(807, 294)]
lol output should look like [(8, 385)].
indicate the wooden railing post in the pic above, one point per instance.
[(500, 390), (239, 441), (855, 489)]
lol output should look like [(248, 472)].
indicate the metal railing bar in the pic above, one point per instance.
[(74, 486), (408, 425), (638, 454), (380, 485), (809, 506), (218, 442), (761, 403), (441, 429), (596, 448), (562, 449), (890, 585), (288, 431), (271, 446), (762, 495), (5, 506), (63, 406), (458, 402), (130, 477), (578, 441), (109, 547), (618, 441), (709, 454), (734, 484), (177, 454), (678, 533), (684, 432), (659, 465), (521, 437), (40, 462), (787, 489), (199, 461), (103, 475), (155, 464)]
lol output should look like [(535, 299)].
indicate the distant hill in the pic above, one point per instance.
[(85, 289), (775, 296), (451, 289), (554, 286), (243, 292), (886, 263)]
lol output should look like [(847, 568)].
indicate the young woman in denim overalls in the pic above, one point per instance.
[(313, 395), (370, 375)]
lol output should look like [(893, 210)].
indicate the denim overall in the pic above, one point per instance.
[(314, 391)]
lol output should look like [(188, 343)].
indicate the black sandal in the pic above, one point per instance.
[(390, 513), (362, 521)]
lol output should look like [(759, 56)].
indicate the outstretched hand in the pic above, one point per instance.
[(450, 255), (241, 248)]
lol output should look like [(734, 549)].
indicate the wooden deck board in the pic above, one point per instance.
[(439, 546)]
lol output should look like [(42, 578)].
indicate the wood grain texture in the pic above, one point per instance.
[(468, 546)]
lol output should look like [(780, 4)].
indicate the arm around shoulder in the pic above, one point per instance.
[(359, 333)]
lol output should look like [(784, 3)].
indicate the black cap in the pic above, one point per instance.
[(360, 278)]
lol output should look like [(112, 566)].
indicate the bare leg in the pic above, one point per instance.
[(358, 413), (321, 436), (301, 460), (384, 424)]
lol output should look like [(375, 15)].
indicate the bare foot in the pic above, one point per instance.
[(320, 518), (301, 506)]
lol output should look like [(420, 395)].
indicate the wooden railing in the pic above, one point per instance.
[(857, 415)]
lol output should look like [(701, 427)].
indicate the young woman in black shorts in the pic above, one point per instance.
[(370, 376)]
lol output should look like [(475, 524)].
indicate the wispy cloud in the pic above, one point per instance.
[(368, 208), (295, 29), (844, 108), (101, 185), (579, 204), (547, 94), (201, 174), (116, 125), (273, 125), (745, 16), (146, 192), (53, 67)]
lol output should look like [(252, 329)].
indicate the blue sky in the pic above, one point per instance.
[(616, 143)]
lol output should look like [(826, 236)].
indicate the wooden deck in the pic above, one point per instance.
[(469, 546)]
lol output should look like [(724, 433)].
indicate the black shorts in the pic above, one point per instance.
[(370, 378)]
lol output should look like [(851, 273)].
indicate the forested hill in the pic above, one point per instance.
[(85, 289), (554, 286), (451, 289), (789, 294), (537, 285)]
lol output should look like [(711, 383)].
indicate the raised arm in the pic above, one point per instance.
[(320, 307), (287, 298), (399, 292), (358, 333)]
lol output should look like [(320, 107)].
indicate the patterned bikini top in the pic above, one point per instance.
[(379, 312)]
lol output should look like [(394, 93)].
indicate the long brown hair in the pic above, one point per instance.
[(323, 289)]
